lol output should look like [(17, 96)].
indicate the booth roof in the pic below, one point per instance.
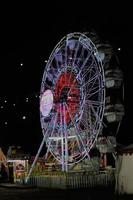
[(125, 149)]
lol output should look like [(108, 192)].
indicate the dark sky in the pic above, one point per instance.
[(27, 38)]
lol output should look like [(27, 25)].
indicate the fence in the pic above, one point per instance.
[(73, 180)]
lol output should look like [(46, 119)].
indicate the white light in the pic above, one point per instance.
[(1, 107), (24, 117), (27, 99), (5, 123), (5, 101), (14, 104), (119, 49), (45, 61), (21, 64)]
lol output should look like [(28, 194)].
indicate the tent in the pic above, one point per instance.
[(124, 170)]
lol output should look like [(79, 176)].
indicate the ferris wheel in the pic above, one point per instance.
[(72, 99)]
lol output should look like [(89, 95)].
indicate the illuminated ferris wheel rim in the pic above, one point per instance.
[(75, 35), (70, 113)]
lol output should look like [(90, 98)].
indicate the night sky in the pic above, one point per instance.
[(26, 41)]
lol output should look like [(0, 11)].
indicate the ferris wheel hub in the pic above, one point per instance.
[(67, 95)]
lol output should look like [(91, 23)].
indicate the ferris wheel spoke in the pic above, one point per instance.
[(78, 135), (93, 71), (51, 79), (92, 114), (79, 56), (45, 86), (53, 71), (51, 135), (90, 122), (63, 50), (76, 130), (66, 55), (84, 122), (49, 76), (75, 54), (82, 109), (58, 58), (90, 80), (85, 62), (53, 123), (94, 93), (74, 139), (53, 120), (92, 84), (94, 103), (84, 118), (73, 82), (55, 62), (70, 90), (98, 119), (70, 77), (86, 71), (93, 89)]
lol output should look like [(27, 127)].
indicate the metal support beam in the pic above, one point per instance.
[(35, 160)]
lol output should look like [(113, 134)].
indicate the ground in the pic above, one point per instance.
[(47, 194)]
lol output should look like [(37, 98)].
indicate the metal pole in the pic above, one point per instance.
[(35, 160), (62, 140), (65, 138)]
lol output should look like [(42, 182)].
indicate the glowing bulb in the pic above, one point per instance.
[(27, 99), (24, 117), (21, 64)]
